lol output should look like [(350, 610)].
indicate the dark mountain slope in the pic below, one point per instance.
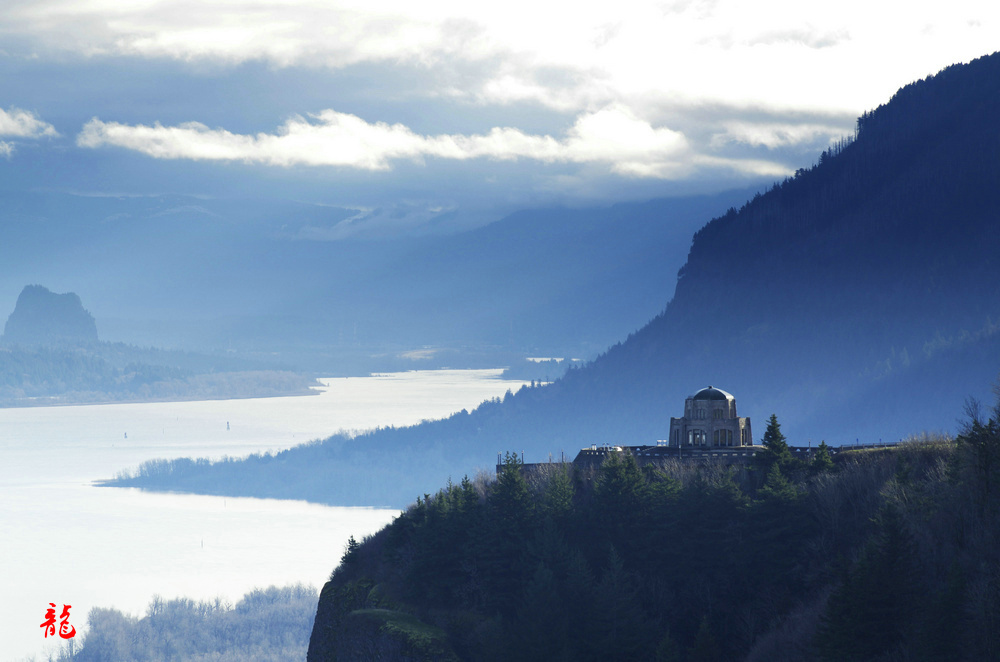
[(857, 300), (887, 248), (872, 278)]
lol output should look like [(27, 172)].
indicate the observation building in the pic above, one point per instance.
[(710, 420), (709, 431)]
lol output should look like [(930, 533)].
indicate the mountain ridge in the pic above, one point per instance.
[(218, 274), (844, 325)]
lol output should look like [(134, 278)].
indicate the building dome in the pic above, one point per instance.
[(710, 419), (712, 393)]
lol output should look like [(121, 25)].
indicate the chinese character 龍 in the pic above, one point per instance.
[(66, 631)]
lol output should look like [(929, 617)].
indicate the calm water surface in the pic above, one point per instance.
[(64, 541)]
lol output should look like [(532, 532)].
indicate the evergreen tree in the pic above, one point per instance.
[(668, 650), (869, 613), (557, 502), (773, 439), (778, 489), (510, 500), (578, 600), (979, 453), (776, 451), (505, 532), (621, 627), (945, 617), (779, 529), (541, 620), (822, 461), (621, 501), (706, 648), (350, 551)]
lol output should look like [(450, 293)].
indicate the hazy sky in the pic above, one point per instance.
[(415, 109)]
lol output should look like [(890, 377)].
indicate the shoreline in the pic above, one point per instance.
[(312, 390)]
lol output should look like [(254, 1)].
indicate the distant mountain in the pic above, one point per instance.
[(42, 317), (262, 277), (50, 354), (856, 300)]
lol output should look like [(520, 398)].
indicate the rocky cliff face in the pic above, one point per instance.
[(854, 297), (42, 317)]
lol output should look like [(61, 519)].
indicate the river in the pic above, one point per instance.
[(64, 541)]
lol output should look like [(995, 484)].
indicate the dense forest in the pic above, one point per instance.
[(888, 554), (858, 296), (266, 625)]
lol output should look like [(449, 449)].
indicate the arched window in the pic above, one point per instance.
[(717, 414)]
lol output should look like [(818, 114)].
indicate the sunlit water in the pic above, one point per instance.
[(65, 541)]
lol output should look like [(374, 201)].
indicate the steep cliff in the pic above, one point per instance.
[(874, 267)]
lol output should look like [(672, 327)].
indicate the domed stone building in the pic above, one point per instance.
[(709, 431), (709, 420)]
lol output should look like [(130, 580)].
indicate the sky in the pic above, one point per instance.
[(415, 112)]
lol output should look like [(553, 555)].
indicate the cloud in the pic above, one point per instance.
[(19, 123), (6, 149), (830, 55), (613, 137), (773, 135), (649, 93)]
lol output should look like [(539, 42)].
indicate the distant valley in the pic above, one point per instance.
[(266, 280), (857, 300)]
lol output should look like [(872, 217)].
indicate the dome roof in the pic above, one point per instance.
[(712, 393)]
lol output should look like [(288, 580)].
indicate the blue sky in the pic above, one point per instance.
[(409, 111)]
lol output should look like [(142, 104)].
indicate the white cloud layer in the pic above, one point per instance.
[(646, 91), (773, 135), (17, 123), (847, 55), (613, 137)]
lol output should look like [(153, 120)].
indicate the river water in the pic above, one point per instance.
[(64, 541)]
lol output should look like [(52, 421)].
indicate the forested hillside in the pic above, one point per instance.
[(115, 372), (869, 276), (886, 554)]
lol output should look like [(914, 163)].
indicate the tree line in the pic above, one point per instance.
[(102, 371), (878, 554), (265, 625)]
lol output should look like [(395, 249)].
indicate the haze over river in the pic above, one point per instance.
[(65, 541)]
